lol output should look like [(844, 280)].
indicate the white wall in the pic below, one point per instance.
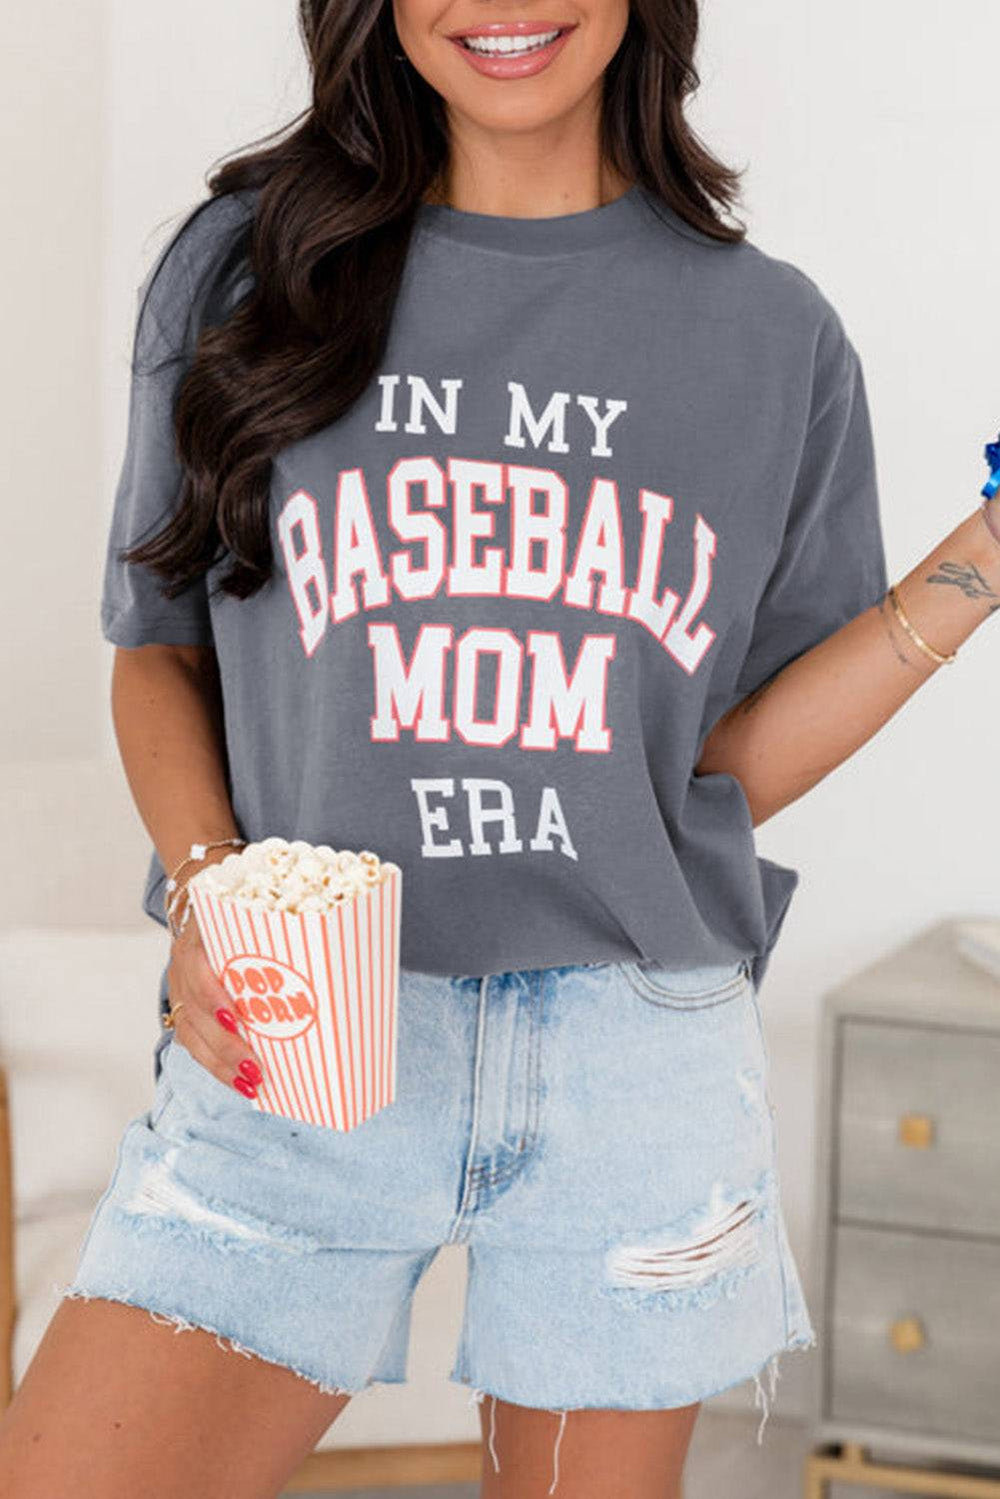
[(51, 306), (870, 137), (139, 102)]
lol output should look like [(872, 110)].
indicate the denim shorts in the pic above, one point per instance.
[(600, 1136)]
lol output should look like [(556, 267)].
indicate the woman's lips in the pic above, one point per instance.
[(512, 64)]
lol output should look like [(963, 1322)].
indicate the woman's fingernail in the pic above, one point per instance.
[(251, 1070), (247, 1089), (227, 1018)]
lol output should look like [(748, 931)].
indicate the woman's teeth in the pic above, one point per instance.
[(503, 44)]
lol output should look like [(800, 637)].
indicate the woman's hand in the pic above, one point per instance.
[(206, 1025)]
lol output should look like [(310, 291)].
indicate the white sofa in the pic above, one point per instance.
[(78, 1024)]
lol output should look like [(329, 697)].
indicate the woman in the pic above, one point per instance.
[(491, 502)]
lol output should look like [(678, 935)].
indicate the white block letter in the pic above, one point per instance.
[(356, 549), (551, 820), (571, 709), (435, 818), (386, 421), (417, 525), (305, 569), (599, 550), (521, 414), (465, 574), (688, 649), (600, 448), (421, 399), (654, 614), (546, 528), (474, 787), (409, 697), (506, 647)]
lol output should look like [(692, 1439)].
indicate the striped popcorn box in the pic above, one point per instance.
[(314, 991)]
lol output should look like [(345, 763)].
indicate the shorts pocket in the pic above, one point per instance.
[(686, 988), (188, 1075), (200, 1107), (164, 1096)]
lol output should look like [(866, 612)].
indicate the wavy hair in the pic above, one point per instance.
[(335, 194)]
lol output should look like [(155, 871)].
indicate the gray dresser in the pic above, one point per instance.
[(908, 1214)]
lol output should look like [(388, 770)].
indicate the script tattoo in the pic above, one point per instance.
[(968, 578)]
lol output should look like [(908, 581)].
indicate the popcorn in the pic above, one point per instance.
[(296, 876)]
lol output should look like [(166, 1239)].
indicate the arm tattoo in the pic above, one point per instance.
[(968, 578), (953, 573)]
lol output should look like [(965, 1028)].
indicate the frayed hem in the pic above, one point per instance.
[(799, 1342), (225, 1342), (760, 1398), (477, 1395)]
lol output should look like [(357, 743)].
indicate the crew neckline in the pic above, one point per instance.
[(554, 234)]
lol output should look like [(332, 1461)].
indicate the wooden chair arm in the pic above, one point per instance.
[(7, 1296)]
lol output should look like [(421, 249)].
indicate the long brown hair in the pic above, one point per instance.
[(333, 206)]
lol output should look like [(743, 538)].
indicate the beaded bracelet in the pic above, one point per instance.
[(196, 851), (176, 929)]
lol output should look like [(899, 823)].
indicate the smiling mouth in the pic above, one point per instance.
[(509, 44)]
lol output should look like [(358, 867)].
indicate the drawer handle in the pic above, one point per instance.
[(907, 1334), (916, 1131)]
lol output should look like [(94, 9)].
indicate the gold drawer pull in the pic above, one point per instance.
[(907, 1334), (916, 1130)]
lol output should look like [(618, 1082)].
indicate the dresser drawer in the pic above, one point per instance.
[(914, 1333), (919, 1127)]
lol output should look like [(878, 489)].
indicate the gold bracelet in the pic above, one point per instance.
[(918, 639)]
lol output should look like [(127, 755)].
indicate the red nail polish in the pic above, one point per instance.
[(251, 1070), (227, 1018), (247, 1089)]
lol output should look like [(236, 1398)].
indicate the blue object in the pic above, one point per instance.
[(993, 459)]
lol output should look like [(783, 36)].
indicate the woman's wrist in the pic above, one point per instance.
[(949, 593), (177, 898), (978, 541), (990, 512)]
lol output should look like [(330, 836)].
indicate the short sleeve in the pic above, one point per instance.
[(831, 565), (134, 609)]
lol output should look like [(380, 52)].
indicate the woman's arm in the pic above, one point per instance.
[(167, 712), (814, 713)]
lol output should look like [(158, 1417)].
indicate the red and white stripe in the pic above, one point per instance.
[(342, 1068)]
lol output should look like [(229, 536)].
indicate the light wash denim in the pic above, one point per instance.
[(600, 1136)]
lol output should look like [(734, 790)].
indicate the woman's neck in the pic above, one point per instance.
[(517, 192)]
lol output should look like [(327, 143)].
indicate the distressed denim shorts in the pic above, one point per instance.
[(600, 1136)]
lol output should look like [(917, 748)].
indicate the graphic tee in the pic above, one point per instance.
[(610, 476)]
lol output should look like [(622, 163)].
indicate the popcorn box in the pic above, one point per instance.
[(315, 994)]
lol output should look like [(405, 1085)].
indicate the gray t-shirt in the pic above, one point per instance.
[(611, 475)]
